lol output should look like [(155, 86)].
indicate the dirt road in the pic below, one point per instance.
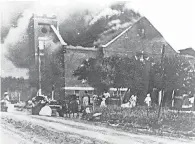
[(21, 128)]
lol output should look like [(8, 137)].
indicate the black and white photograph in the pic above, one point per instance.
[(97, 72)]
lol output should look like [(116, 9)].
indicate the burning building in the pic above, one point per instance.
[(44, 34)]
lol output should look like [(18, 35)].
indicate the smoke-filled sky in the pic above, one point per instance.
[(175, 19)]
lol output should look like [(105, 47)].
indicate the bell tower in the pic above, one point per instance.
[(42, 31), (42, 28)]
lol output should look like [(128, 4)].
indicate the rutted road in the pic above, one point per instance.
[(40, 129)]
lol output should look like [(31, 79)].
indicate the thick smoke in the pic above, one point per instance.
[(17, 34), (80, 25), (108, 12), (11, 12)]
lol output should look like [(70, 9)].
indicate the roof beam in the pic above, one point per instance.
[(58, 35)]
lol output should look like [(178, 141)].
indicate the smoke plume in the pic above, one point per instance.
[(81, 24)]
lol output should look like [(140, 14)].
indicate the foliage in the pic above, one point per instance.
[(178, 74), (90, 70), (11, 83), (140, 76), (15, 84), (115, 72), (137, 117)]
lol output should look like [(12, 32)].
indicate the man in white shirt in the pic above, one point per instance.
[(133, 101), (148, 100), (86, 99), (6, 99), (6, 96), (103, 102), (106, 96)]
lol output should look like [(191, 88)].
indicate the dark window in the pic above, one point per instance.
[(76, 91), (122, 92), (90, 92), (44, 30)]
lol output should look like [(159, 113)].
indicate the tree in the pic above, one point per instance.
[(178, 72), (12, 84), (91, 71), (136, 72), (117, 72)]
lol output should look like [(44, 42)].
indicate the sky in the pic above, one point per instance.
[(174, 19)]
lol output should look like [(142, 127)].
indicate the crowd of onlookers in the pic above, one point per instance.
[(86, 103)]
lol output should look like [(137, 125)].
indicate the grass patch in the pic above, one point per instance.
[(182, 124)]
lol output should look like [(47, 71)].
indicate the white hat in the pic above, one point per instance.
[(5, 93)]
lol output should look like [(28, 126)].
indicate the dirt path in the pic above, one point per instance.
[(9, 137), (56, 130)]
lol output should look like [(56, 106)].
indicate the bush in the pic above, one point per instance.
[(179, 122), (137, 117)]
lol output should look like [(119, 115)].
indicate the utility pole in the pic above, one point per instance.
[(41, 48), (39, 72), (64, 68), (193, 107), (162, 82), (52, 94), (19, 96)]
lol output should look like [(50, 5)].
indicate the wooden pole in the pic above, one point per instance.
[(19, 97), (193, 104), (162, 70), (41, 48), (122, 98), (39, 75), (93, 104), (172, 103), (64, 68), (52, 95)]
